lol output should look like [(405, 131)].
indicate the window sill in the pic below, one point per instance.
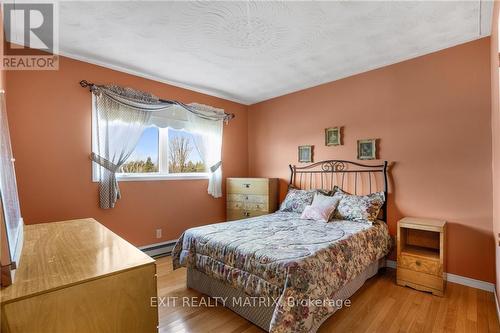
[(153, 177)]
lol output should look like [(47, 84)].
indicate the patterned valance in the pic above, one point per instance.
[(139, 100)]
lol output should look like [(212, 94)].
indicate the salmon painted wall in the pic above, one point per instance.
[(432, 116), (50, 122), (495, 126), (2, 79)]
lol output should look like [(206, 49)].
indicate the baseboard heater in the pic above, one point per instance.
[(159, 249)]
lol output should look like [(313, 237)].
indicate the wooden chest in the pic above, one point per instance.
[(421, 254), (250, 197)]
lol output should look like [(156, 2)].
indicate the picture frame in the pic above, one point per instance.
[(367, 149), (333, 136), (305, 153)]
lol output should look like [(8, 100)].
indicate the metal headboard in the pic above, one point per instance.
[(352, 177)]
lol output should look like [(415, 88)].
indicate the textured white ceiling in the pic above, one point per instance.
[(252, 51)]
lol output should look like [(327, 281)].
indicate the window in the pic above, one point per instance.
[(163, 153)]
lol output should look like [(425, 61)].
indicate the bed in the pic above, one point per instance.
[(284, 273)]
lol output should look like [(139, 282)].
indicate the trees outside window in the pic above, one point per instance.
[(180, 150)]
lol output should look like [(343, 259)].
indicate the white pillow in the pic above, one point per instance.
[(321, 209)]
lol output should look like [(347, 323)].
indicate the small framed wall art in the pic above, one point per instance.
[(306, 154), (367, 149), (333, 136)]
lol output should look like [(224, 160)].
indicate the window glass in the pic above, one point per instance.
[(184, 155), (144, 159)]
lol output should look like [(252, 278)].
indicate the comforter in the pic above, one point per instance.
[(299, 263)]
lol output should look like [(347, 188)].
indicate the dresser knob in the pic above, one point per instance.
[(418, 263)]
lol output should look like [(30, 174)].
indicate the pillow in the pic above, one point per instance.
[(321, 209), (316, 190), (297, 200), (325, 192), (358, 207)]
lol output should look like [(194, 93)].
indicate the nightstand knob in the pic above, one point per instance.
[(418, 263)]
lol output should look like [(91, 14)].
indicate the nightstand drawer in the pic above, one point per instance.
[(420, 265), (418, 280)]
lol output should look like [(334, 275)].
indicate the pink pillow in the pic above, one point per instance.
[(321, 209)]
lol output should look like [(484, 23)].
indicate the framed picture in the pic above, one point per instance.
[(367, 149), (306, 154), (332, 136)]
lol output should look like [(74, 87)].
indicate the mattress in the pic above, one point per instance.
[(299, 264), (261, 313)]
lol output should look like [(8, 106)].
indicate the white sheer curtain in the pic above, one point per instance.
[(208, 141)]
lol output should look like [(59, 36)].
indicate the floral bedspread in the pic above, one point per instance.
[(300, 263)]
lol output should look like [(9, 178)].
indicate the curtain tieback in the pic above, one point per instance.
[(106, 164), (214, 167)]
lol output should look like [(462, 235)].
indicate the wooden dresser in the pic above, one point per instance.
[(250, 197), (421, 254), (78, 276)]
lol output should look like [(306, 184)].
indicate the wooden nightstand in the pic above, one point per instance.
[(421, 254)]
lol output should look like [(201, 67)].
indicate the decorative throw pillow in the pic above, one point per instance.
[(297, 200), (358, 207), (321, 209)]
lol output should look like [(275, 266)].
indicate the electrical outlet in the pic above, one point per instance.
[(158, 233)]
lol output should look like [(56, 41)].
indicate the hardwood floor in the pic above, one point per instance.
[(379, 306)]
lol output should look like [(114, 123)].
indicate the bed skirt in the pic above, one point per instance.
[(261, 314)]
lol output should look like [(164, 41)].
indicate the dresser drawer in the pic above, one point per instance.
[(247, 206), (253, 198), (247, 186), (256, 206), (235, 205), (238, 214), (420, 265)]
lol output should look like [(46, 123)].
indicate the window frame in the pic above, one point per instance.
[(162, 173)]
